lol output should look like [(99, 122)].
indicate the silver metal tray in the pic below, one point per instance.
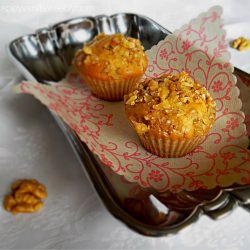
[(46, 56)]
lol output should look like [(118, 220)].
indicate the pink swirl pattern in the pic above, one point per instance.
[(221, 160)]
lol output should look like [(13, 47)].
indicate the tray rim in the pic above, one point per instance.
[(99, 185)]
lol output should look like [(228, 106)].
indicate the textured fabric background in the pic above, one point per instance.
[(32, 145)]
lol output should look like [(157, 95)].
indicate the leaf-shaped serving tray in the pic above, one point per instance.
[(46, 56)]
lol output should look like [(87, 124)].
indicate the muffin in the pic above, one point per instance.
[(171, 114), (111, 65)]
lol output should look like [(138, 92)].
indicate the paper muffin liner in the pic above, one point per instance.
[(169, 148), (111, 90)]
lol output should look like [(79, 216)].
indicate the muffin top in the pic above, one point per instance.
[(111, 57), (171, 106)]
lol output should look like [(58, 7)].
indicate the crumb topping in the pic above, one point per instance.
[(111, 56), (171, 106)]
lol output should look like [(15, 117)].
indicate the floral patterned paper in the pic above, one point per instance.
[(221, 160)]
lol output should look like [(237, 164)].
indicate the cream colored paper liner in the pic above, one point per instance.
[(111, 90), (169, 148)]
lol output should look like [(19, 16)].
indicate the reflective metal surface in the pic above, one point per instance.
[(46, 56)]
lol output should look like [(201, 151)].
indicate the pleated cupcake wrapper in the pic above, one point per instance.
[(111, 90), (168, 147)]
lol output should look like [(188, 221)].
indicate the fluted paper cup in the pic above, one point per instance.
[(111, 90), (165, 147)]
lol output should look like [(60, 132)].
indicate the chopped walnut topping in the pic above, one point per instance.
[(131, 100), (26, 197), (171, 105), (141, 127), (87, 50), (111, 56)]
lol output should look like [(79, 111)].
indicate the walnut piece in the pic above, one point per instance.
[(26, 197), (241, 43)]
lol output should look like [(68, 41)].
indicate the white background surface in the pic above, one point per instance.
[(32, 145)]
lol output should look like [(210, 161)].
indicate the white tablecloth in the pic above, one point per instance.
[(32, 145)]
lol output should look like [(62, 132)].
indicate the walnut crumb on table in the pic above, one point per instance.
[(26, 197), (241, 43)]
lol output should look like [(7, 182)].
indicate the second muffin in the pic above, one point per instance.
[(111, 65), (171, 114)]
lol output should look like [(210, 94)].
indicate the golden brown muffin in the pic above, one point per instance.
[(111, 65), (171, 114)]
